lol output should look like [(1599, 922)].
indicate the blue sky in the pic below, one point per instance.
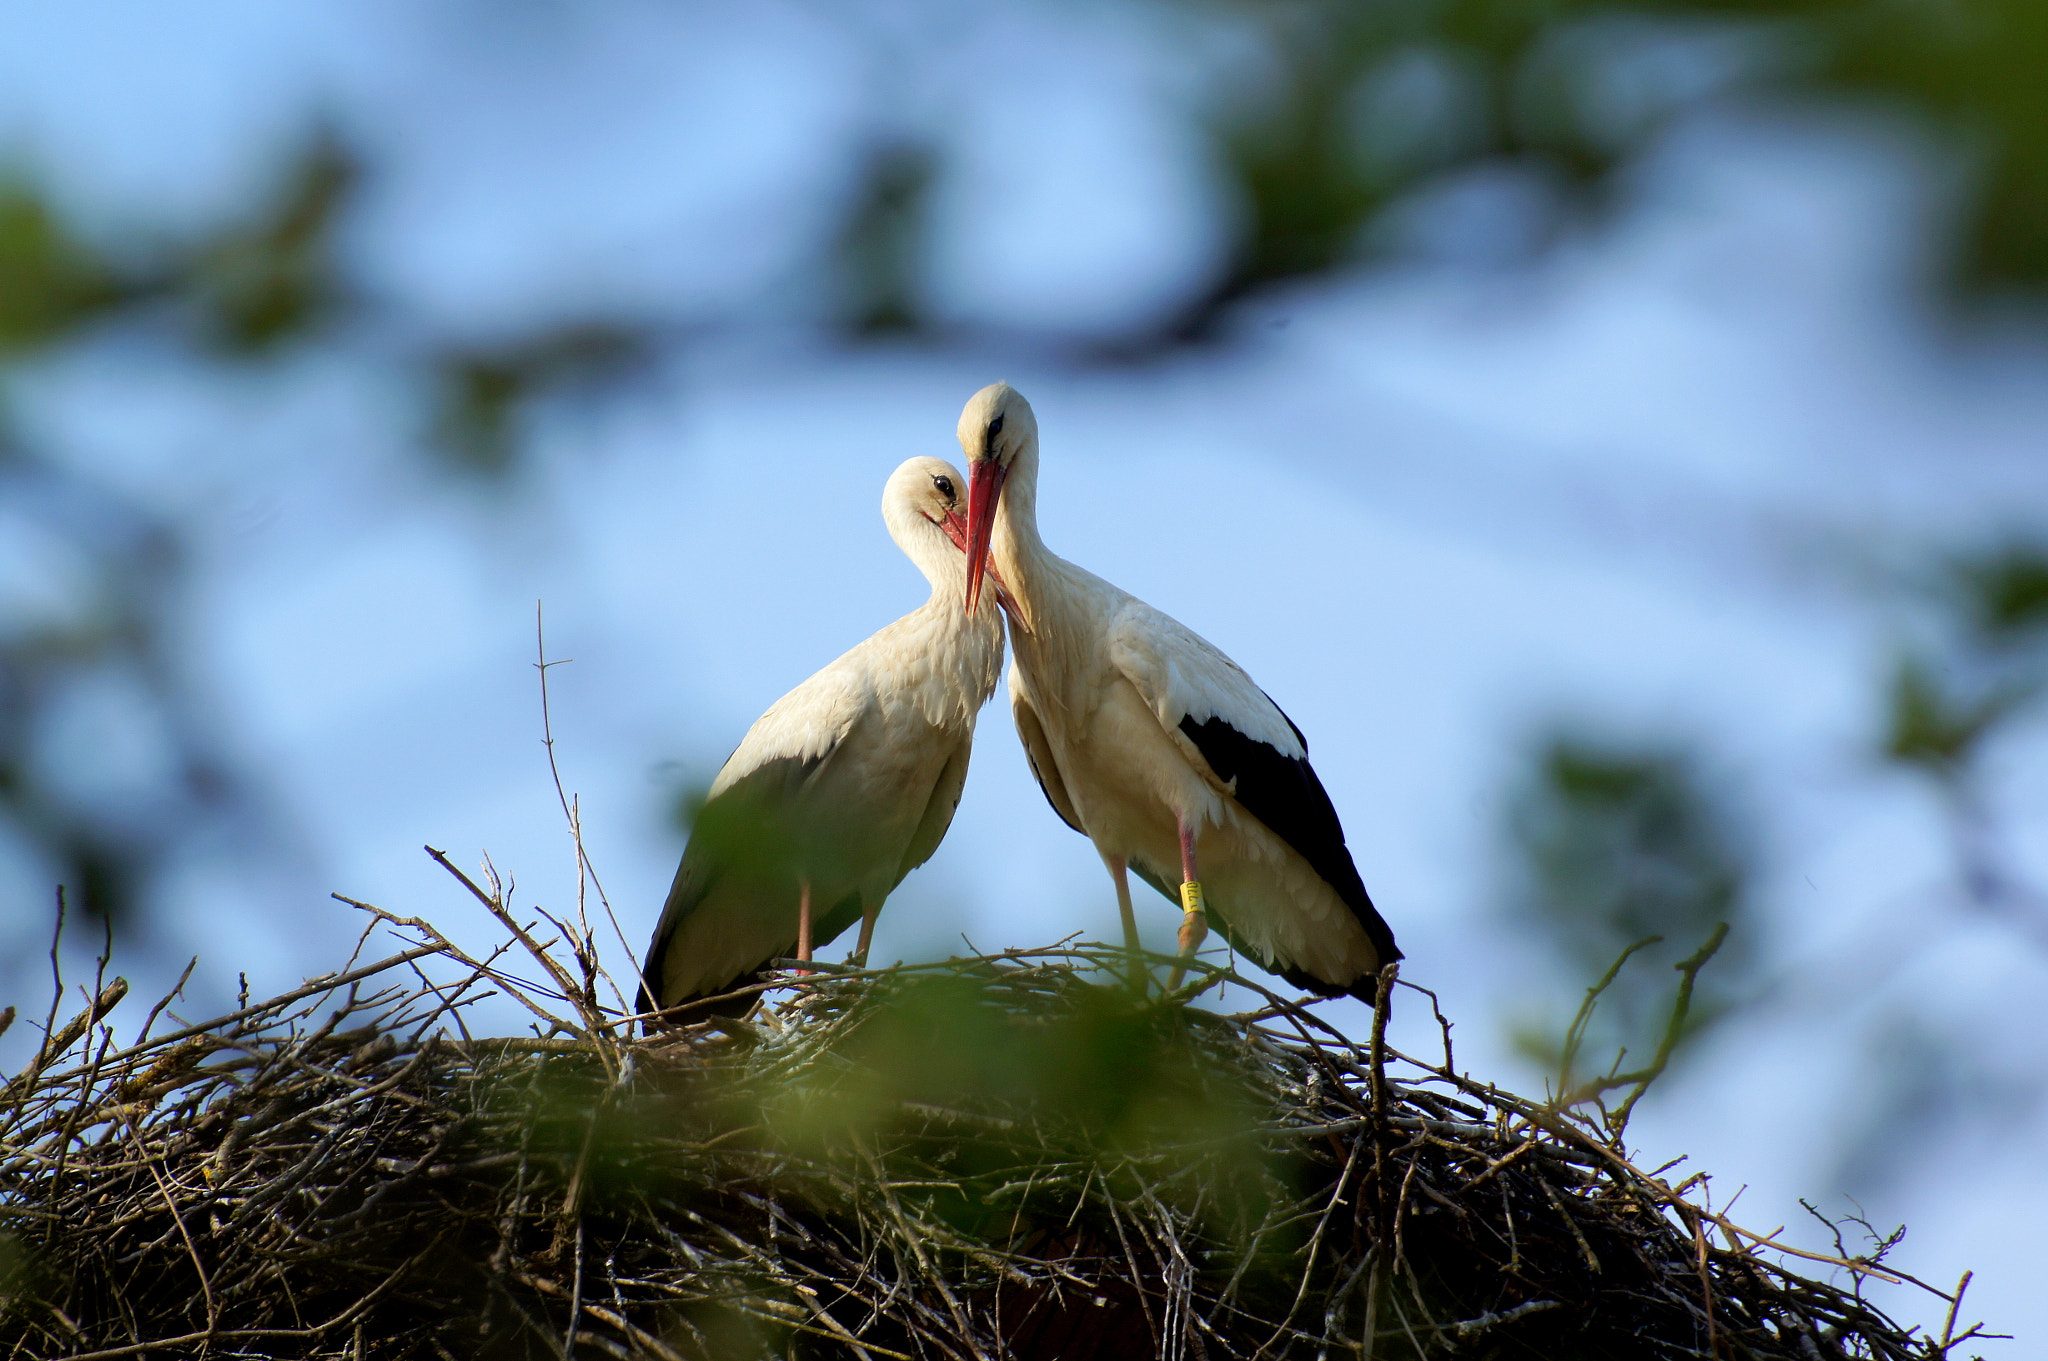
[(1656, 481)]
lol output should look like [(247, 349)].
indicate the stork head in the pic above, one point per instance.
[(921, 490), (996, 428)]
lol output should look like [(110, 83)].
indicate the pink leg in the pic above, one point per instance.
[(1194, 922), (867, 935), (803, 923), (1118, 865)]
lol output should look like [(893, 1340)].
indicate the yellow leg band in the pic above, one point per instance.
[(1191, 897)]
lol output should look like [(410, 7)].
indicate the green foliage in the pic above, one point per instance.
[(1105, 1076), (50, 282), (1369, 103), (1617, 849), (1933, 724), (883, 244), (2004, 594), (1973, 70), (110, 644), (481, 391), (1947, 698), (249, 289), (1574, 1090), (266, 283)]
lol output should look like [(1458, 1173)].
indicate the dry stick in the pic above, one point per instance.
[(1401, 1317), (1674, 1029), (1383, 1229), (1564, 1213), (1699, 1239), (1494, 1165), (1379, 1039), (583, 862), (1369, 1342), (1473, 1326), (1545, 1118), (1263, 1056), (55, 1044), (227, 1334), (572, 1206), (312, 989), (1507, 1214), (1948, 1327), (1338, 1299), (639, 1337), (1315, 1244), (143, 1036), (1575, 1033), (205, 1282), (447, 949), (105, 998), (56, 973), (497, 909)]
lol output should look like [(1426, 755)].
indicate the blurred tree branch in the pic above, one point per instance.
[(113, 638), (1955, 696), (1615, 847), (1360, 106)]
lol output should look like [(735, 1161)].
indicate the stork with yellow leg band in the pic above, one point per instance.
[(1159, 748)]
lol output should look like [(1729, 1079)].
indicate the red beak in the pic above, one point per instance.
[(984, 489), (955, 525)]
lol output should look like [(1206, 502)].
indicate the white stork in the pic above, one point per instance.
[(1158, 747), (846, 784)]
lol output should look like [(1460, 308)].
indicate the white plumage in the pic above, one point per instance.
[(847, 783), (1156, 745)]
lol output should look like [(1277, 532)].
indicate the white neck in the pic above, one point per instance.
[(1017, 550), (926, 545)]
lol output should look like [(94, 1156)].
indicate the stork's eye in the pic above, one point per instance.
[(945, 486), (995, 427)]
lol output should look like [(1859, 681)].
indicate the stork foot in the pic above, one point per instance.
[(859, 957), (1194, 927)]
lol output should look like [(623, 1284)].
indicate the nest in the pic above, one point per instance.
[(1011, 1156)]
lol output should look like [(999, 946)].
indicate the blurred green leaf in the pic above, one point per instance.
[(1366, 104), (1307, 185), (1105, 1073), (481, 392), (1359, 106), (274, 280), (2006, 593), (1612, 843), (50, 282), (1936, 727), (883, 244), (686, 805), (1974, 68), (477, 400)]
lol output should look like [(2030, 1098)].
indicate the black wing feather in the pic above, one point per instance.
[(1283, 792)]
